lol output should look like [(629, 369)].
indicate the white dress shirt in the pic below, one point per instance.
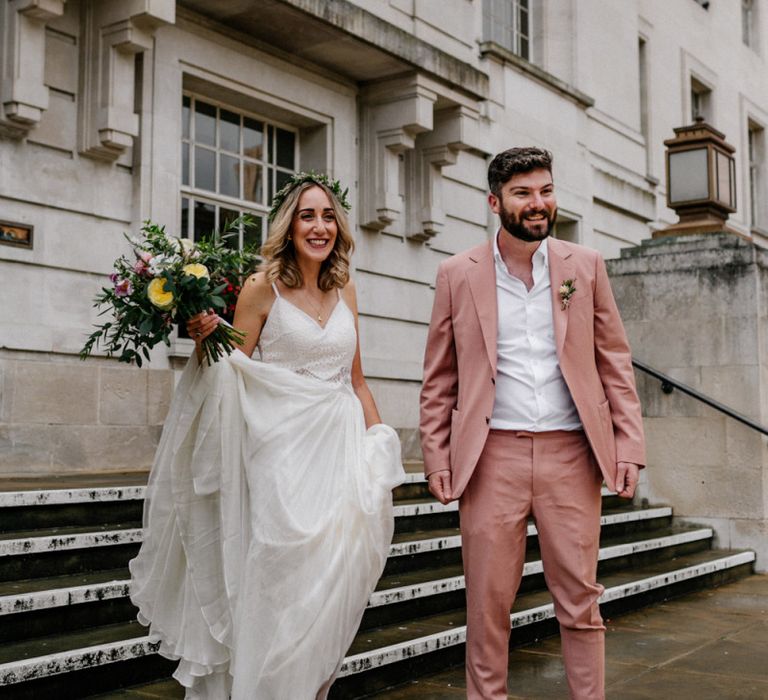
[(531, 393)]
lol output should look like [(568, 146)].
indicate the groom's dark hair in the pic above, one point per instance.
[(514, 161)]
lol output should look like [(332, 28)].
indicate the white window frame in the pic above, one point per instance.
[(503, 17), (701, 100), (748, 14), (756, 175), (268, 165)]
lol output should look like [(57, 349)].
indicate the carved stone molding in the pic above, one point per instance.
[(394, 114), (455, 129), (114, 32), (412, 128), (23, 93)]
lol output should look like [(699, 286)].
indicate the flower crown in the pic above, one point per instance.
[(311, 176)]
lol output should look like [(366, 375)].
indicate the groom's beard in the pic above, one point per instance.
[(518, 228)]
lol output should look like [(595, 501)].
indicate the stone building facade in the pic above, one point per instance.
[(189, 112)]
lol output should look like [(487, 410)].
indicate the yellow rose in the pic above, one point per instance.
[(196, 270), (158, 295)]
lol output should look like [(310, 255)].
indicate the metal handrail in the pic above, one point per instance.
[(668, 385)]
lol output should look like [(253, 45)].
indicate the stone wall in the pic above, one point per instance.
[(58, 416), (695, 309)]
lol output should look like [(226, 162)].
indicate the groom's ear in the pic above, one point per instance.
[(494, 203)]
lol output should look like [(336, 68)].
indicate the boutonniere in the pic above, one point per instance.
[(566, 291)]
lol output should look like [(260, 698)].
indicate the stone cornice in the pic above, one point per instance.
[(377, 32), (491, 48)]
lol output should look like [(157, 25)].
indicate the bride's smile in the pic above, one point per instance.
[(314, 227)]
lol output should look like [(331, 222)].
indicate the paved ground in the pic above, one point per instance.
[(710, 645)]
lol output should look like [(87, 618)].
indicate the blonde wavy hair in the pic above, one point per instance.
[(280, 255)]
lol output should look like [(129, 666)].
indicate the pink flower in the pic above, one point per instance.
[(140, 267), (123, 288), (114, 277), (145, 257)]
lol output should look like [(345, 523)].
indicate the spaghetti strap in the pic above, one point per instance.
[(275, 290), (338, 291)]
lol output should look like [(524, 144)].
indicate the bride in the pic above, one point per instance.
[(269, 511)]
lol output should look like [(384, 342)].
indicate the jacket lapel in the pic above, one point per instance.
[(561, 268), (481, 276)]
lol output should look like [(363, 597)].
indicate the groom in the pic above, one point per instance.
[(528, 404)]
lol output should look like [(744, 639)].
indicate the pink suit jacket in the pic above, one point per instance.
[(457, 395)]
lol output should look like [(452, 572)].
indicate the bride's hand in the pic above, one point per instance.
[(201, 325)]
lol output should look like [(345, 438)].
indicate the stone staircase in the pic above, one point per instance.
[(68, 630)]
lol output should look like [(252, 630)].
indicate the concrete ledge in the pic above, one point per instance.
[(491, 48)]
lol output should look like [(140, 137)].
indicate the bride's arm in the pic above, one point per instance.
[(253, 306), (251, 312), (359, 384)]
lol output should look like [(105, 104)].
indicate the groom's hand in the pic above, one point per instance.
[(440, 486), (627, 476)]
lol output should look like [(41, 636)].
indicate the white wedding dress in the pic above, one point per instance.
[(268, 516)]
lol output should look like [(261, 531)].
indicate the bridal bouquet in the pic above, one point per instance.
[(166, 280)]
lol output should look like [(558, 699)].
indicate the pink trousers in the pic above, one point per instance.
[(553, 477)]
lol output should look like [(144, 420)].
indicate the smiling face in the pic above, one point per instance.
[(314, 227), (526, 205)]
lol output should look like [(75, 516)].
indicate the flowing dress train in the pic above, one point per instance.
[(268, 515)]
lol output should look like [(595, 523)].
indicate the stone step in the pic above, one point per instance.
[(30, 608), (382, 657), (65, 551), (46, 508), (376, 654), (390, 590), (404, 596), (58, 591), (429, 548)]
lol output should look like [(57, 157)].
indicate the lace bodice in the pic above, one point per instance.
[(292, 339)]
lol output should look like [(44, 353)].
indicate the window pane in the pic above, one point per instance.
[(205, 123), (280, 179), (252, 234), (226, 217), (184, 163), (205, 169), (253, 182), (184, 232), (205, 220), (286, 143), (229, 134), (688, 176), (253, 139), (723, 178), (270, 145), (185, 105), (229, 175)]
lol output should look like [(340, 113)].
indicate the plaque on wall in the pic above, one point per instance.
[(19, 235)]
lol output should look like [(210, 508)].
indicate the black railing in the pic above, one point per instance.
[(668, 385)]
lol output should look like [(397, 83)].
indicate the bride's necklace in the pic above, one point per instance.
[(318, 310)]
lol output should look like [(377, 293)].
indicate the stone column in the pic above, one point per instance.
[(695, 308)]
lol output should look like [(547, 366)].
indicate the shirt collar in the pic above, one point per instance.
[(541, 254)]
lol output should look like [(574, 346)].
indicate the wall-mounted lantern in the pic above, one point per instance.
[(701, 180)]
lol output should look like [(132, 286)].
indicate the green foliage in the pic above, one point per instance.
[(311, 176), (137, 324)]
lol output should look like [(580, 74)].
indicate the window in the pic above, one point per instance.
[(748, 22), (508, 23), (700, 100), (645, 128), (232, 164), (756, 155)]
